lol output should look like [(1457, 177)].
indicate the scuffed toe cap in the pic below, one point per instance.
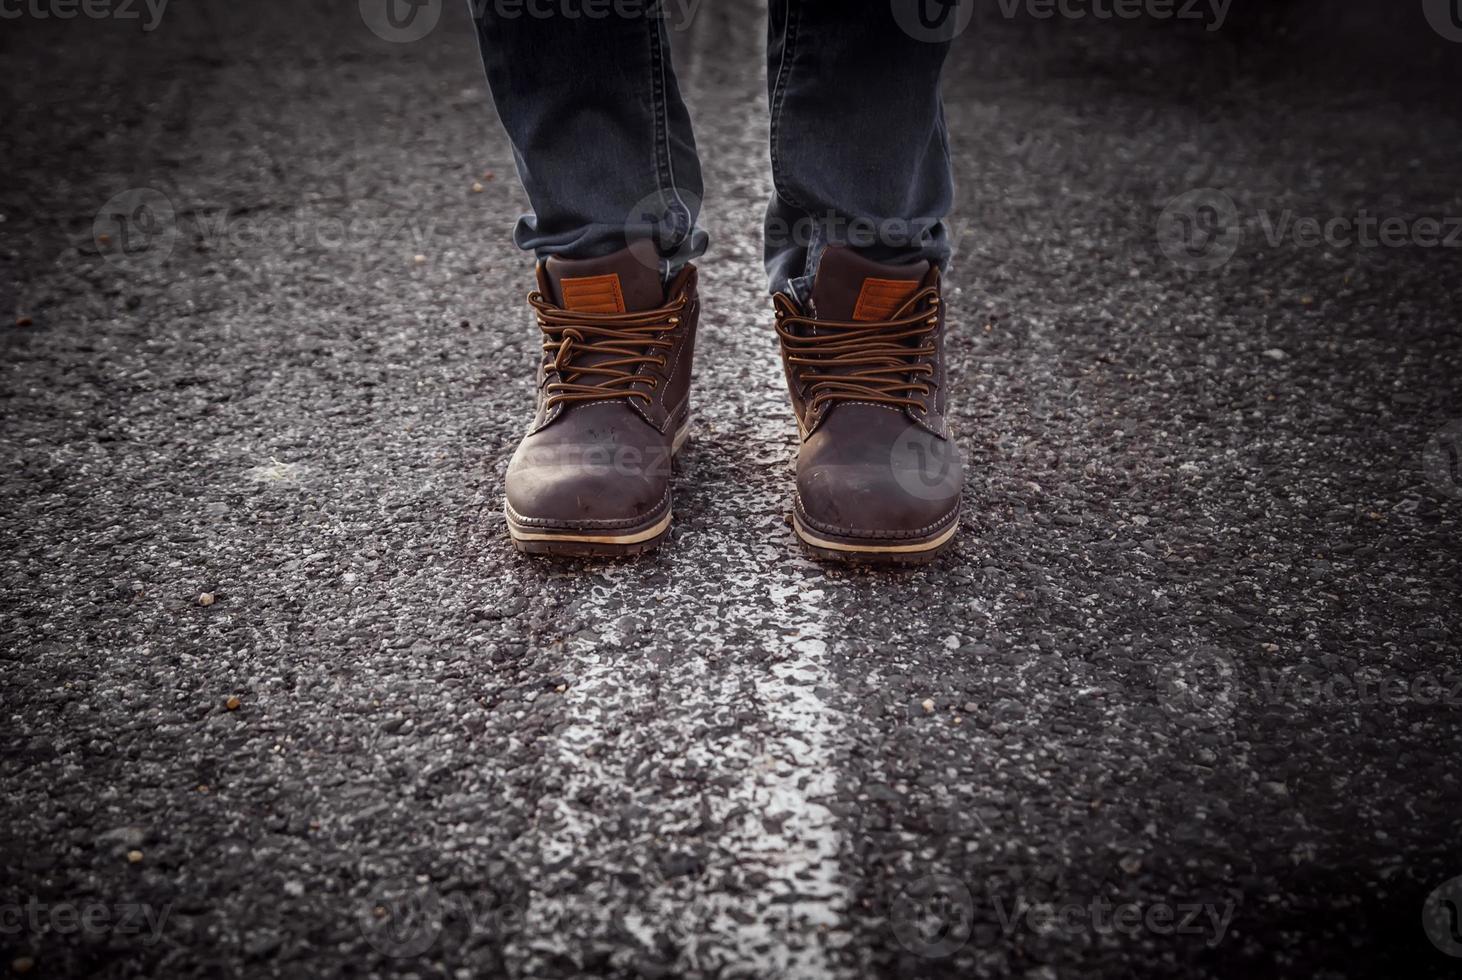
[(870, 472), (582, 498), (570, 478)]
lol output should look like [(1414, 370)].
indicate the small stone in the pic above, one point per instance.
[(129, 835), (134, 857), (928, 706), (23, 321), (418, 259), (476, 187), (232, 703), (22, 964), (1130, 864), (1275, 354), (205, 598)]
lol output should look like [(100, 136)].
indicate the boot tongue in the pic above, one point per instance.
[(617, 283), (849, 287)]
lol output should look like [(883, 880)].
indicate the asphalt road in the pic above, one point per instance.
[(1182, 702)]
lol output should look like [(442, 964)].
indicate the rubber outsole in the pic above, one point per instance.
[(534, 541), (918, 551)]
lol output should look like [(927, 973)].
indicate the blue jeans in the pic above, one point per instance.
[(603, 142)]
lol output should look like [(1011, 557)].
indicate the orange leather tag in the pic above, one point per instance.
[(592, 294), (879, 298)]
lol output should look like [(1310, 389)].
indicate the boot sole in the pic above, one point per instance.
[(917, 551), (583, 544), (569, 544)]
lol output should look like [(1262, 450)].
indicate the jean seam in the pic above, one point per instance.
[(941, 125), (664, 154), (779, 97), (815, 247)]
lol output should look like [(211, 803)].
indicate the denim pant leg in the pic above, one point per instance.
[(601, 138), (860, 154)]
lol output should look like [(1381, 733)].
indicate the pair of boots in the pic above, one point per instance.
[(878, 474)]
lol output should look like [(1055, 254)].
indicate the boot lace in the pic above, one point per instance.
[(862, 360), (617, 347)]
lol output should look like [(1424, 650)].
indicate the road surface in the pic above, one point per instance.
[(1183, 701)]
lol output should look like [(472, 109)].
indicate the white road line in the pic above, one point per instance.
[(791, 836), (789, 780), (749, 732)]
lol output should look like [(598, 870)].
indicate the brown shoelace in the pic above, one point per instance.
[(617, 346), (863, 360)]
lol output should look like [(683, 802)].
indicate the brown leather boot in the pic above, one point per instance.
[(878, 472), (592, 477)]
